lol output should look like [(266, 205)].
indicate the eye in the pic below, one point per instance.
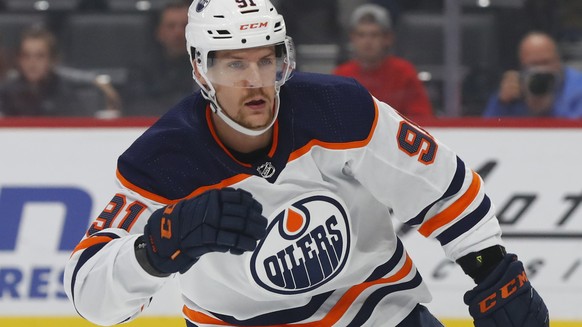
[(268, 61), (236, 65)]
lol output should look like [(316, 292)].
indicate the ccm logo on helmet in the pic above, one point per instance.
[(306, 246), (253, 26)]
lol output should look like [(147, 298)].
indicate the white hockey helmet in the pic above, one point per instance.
[(215, 25)]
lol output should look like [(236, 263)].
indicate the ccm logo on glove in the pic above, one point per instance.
[(166, 224), (504, 292)]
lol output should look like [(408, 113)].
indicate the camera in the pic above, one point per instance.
[(540, 82)]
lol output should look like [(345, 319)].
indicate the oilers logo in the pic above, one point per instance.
[(306, 246), (201, 5)]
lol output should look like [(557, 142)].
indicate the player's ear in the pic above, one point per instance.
[(196, 73)]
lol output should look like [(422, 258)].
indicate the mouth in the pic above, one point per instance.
[(257, 103)]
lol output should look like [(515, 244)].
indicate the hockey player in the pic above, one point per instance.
[(271, 199)]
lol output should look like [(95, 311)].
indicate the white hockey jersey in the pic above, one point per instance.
[(342, 165)]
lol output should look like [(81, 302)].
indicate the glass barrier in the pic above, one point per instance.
[(426, 58)]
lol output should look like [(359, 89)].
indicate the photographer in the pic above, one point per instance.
[(542, 88)]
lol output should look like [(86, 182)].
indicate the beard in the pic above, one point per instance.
[(243, 117)]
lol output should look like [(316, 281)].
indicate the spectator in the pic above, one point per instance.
[(160, 83), (39, 89), (389, 78), (513, 22), (543, 86)]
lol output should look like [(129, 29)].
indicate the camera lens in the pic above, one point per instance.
[(541, 83)]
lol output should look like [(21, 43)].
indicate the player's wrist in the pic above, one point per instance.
[(141, 254), (478, 265)]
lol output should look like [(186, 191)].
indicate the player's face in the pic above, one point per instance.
[(249, 96), (370, 41), (34, 60)]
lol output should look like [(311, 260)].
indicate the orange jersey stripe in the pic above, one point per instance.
[(333, 316), (222, 184), (154, 197), (454, 210), (217, 139), (336, 146), (141, 191), (202, 318), (275, 139), (90, 242)]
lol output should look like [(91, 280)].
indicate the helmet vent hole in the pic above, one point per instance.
[(244, 41), (249, 11), (222, 34), (218, 16)]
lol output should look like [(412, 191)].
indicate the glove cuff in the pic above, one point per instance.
[(141, 255)]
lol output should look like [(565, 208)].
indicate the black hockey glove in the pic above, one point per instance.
[(215, 221), (505, 298)]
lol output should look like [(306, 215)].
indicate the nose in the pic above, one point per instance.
[(253, 76)]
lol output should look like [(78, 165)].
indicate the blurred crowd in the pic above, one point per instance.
[(119, 58)]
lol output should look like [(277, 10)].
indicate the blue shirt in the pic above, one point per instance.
[(567, 104)]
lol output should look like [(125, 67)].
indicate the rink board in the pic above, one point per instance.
[(531, 173)]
